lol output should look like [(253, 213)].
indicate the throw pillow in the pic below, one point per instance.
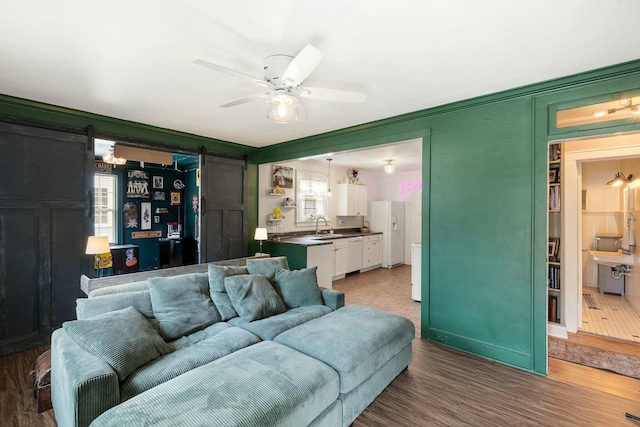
[(181, 304), (298, 287), (217, 273), (253, 297), (91, 307), (267, 266), (124, 339)]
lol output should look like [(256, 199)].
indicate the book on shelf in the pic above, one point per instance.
[(553, 309), (554, 197), (555, 152), (554, 277)]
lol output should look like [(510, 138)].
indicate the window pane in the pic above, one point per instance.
[(104, 206)]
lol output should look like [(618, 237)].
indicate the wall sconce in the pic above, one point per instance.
[(389, 168), (620, 179), (96, 246), (261, 234)]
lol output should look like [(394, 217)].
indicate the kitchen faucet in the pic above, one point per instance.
[(318, 218)]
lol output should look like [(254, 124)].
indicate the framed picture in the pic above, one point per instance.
[(554, 175), (137, 184), (176, 198), (156, 219), (158, 182), (130, 215), (145, 213), (159, 196), (282, 176)]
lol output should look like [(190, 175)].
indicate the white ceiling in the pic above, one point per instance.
[(133, 60)]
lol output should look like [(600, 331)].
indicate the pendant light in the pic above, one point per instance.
[(329, 179), (389, 168)]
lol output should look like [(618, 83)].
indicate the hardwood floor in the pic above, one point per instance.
[(442, 387)]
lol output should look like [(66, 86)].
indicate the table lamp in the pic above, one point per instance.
[(261, 234), (97, 245)]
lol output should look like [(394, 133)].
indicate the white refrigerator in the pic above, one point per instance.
[(387, 216)]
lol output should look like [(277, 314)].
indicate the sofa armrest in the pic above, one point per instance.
[(82, 385), (333, 299)]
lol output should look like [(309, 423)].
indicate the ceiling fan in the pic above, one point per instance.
[(283, 76)]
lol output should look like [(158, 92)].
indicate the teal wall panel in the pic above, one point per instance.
[(481, 211)]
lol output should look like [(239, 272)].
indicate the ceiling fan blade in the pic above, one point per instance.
[(230, 72), (302, 65), (246, 99), (336, 95)]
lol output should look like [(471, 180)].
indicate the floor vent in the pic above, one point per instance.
[(590, 302)]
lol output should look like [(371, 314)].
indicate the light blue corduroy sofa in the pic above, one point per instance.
[(237, 346)]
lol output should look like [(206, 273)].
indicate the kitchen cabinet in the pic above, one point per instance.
[(372, 252), (340, 255), (352, 200)]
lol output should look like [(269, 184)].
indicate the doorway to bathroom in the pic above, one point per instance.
[(601, 298)]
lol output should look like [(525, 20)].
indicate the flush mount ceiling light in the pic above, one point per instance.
[(620, 179), (389, 168), (626, 104), (282, 106)]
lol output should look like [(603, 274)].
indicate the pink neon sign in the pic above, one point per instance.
[(407, 187)]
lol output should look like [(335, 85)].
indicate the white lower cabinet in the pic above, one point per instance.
[(321, 256), (372, 252), (340, 257)]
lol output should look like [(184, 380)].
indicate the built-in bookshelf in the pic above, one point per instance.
[(554, 264)]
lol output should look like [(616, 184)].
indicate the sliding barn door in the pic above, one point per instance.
[(44, 220), (223, 206)]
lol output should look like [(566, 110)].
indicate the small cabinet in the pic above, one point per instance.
[(372, 252), (340, 256), (352, 200)]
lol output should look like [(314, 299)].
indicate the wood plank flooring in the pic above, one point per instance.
[(442, 387)]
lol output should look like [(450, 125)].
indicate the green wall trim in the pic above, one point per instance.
[(25, 109)]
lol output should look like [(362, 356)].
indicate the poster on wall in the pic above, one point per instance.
[(159, 196), (158, 182), (145, 214), (282, 176), (137, 184), (176, 198), (130, 215)]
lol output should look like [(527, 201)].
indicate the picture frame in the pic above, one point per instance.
[(137, 184), (175, 198), (145, 216), (554, 175), (281, 176), (159, 196), (156, 219), (158, 182)]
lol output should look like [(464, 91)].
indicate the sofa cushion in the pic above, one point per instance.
[(91, 307), (182, 360), (253, 297), (267, 266), (182, 304), (265, 384), (124, 339), (271, 327), (219, 295), (354, 340), (298, 287)]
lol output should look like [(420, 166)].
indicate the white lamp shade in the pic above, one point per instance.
[(97, 245), (389, 168), (261, 234), (282, 108)]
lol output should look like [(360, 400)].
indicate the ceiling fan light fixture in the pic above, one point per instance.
[(635, 109), (389, 168), (282, 107)]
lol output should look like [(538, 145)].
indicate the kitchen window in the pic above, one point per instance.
[(312, 196)]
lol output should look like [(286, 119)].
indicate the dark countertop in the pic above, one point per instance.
[(317, 239)]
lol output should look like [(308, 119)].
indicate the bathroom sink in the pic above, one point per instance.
[(611, 259)]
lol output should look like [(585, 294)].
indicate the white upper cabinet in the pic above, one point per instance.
[(352, 200)]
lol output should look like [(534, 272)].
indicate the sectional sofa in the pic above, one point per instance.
[(253, 345)]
